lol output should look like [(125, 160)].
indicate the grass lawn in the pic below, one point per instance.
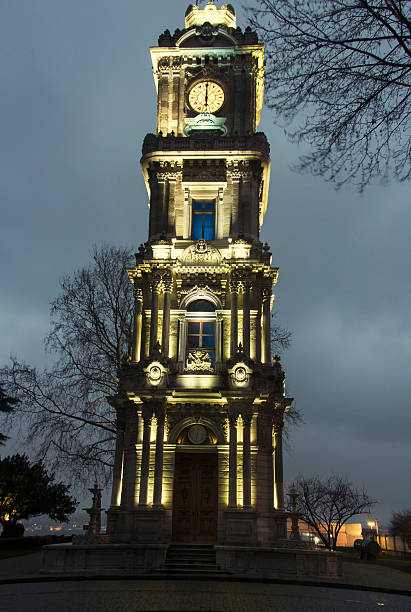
[(384, 559), (6, 554)]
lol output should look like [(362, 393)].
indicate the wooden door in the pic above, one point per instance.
[(195, 497)]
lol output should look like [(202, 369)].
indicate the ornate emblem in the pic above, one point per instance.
[(155, 373), (201, 252), (199, 361)]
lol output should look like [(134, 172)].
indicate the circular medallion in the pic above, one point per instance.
[(197, 434), (240, 374), (206, 97), (155, 374)]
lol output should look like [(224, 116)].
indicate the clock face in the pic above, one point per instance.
[(206, 97)]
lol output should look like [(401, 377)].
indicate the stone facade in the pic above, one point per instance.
[(201, 403)]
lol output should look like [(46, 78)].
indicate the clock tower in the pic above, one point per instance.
[(201, 400)]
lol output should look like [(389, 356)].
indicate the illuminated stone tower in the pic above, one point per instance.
[(201, 403)]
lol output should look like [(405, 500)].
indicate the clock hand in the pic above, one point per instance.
[(206, 98)]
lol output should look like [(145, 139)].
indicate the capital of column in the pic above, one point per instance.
[(266, 294), (235, 286), (155, 285), (138, 293), (165, 283)]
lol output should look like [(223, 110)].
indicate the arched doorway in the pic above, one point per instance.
[(195, 495)]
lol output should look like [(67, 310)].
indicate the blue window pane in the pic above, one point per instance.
[(209, 233), (198, 205), (193, 341), (209, 220), (208, 328), (193, 327), (208, 341), (197, 227), (209, 206)]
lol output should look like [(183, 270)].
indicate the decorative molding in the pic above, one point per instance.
[(201, 252)]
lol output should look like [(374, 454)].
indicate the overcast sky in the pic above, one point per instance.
[(77, 98)]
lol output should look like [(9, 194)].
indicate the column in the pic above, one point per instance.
[(247, 417), (158, 466), (128, 493), (258, 356), (232, 465), (145, 455), (278, 464), (234, 318), (182, 342), (138, 309), (266, 326), (144, 329), (154, 315), (153, 184), (218, 339), (165, 338), (118, 462), (246, 318)]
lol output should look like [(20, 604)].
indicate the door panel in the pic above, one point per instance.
[(195, 497)]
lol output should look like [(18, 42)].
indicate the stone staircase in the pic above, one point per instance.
[(191, 559)]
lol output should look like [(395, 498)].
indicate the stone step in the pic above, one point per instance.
[(189, 570), (192, 547), (197, 565), (191, 553)]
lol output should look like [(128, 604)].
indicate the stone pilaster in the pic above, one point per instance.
[(138, 310), (147, 415), (118, 460), (266, 326), (165, 338), (278, 462), (232, 465), (234, 317), (154, 315), (128, 493), (246, 318), (158, 466), (247, 417)]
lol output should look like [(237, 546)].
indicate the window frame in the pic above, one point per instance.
[(195, 214)]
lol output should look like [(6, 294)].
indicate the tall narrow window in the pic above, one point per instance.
[(203, 219)]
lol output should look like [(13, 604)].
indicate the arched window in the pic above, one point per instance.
[(200, 341)]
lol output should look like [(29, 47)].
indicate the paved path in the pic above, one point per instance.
[(195, 595), (190, 595)]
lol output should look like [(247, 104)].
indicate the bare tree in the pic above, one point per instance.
[(64, 408), (339, 77), (326, 505), (400, 525), (7, 404)]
